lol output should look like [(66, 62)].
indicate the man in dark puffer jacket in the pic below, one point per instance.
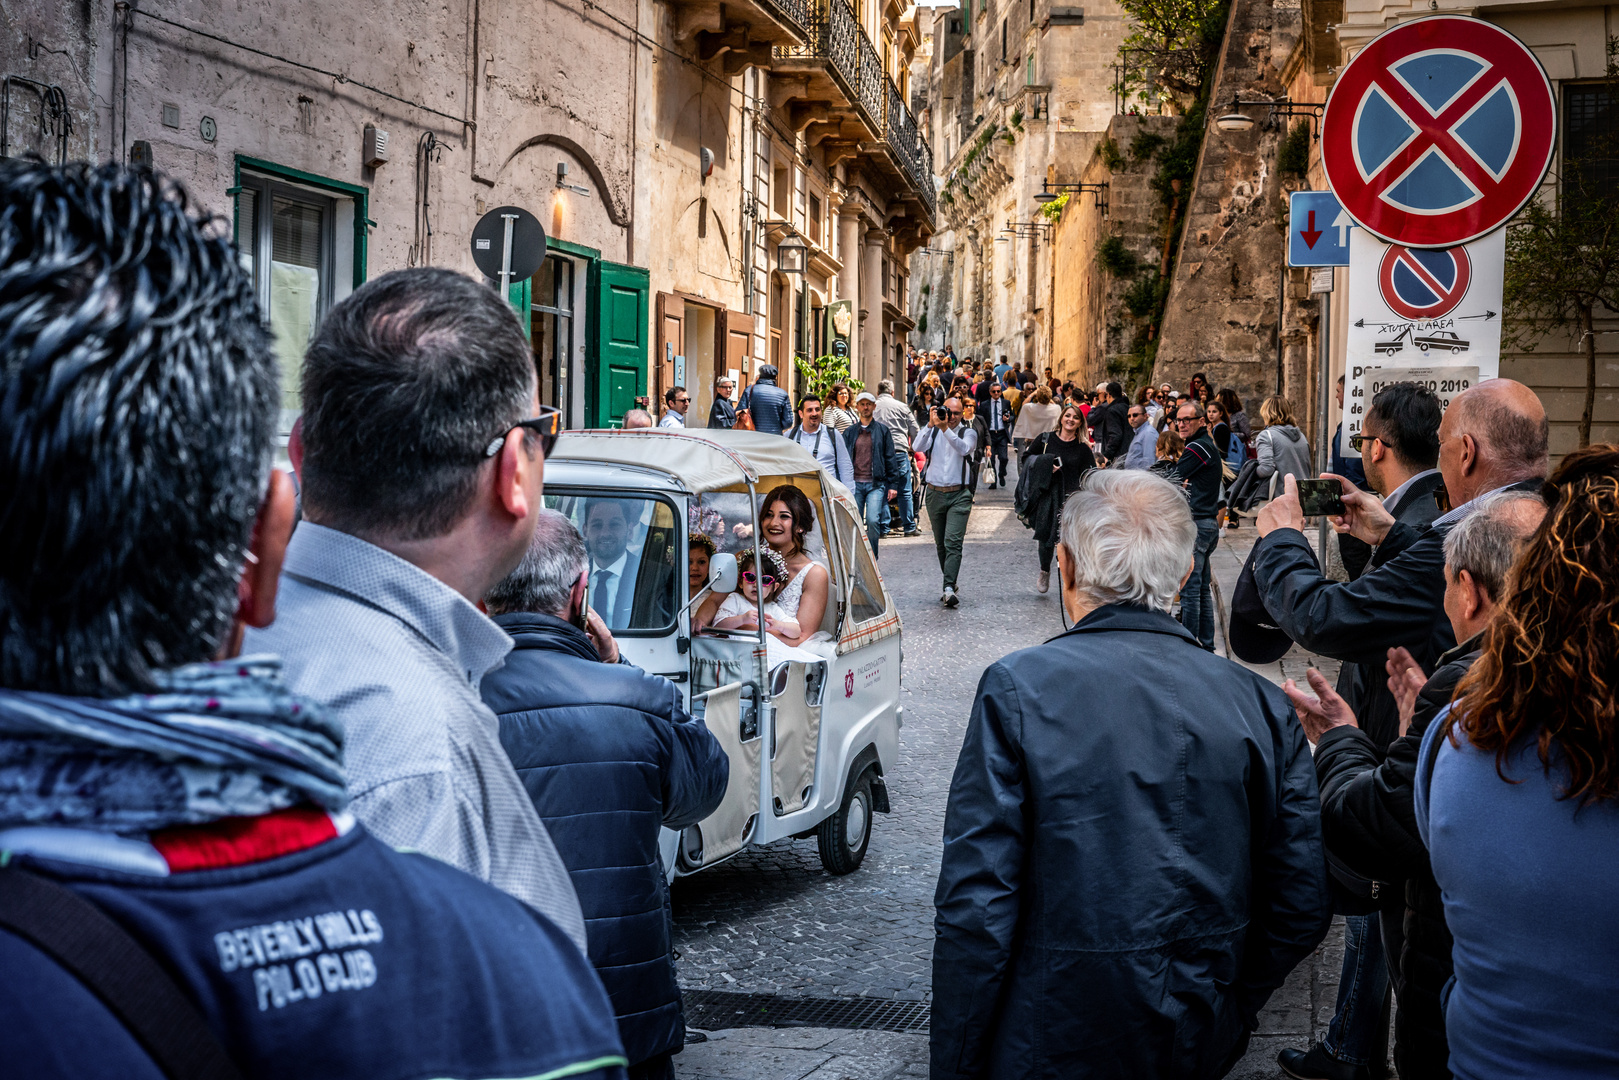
[(1368, 811), (608, 755)]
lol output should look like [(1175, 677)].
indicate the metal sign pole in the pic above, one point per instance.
[(506, 256), (1323, 393)]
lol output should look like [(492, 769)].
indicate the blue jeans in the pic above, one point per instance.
[(872, 498), (1197, 605), (1356, 1026)]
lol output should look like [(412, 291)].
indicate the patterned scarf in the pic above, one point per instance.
[(217, 740)]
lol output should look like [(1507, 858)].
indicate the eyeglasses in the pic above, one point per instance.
[(1361, 439), (682, 400), (1186, 419), (758, 579), (547, 425), (955, 412)]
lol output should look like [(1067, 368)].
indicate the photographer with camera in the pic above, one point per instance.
[(949, 446)]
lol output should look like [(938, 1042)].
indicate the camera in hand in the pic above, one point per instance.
[(1317, 497), (942, 413)]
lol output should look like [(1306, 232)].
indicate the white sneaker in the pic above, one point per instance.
[(950, 598), (1044, 581)]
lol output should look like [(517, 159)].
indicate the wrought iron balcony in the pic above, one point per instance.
[(834, 38)]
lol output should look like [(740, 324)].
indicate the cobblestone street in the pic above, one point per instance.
[(772, 922)]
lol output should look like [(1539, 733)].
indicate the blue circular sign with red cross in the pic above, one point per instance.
[(1438, 131), (1418, 284)]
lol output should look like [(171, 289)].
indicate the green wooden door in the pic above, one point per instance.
[(619, 298)]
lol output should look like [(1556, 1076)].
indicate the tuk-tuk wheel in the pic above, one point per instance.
[(844, 836)]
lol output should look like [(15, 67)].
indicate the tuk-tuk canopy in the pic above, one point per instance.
[(702, 460)]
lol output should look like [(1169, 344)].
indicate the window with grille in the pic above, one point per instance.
[(1590, 145)]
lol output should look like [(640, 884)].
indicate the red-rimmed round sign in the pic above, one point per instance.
[(1438, 131), (1419, 284)]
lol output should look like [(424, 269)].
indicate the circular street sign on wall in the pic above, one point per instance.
[(1438, 131), (489, 243), (1418, 284)]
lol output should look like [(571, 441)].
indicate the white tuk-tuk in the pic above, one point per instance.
[(810, 738)]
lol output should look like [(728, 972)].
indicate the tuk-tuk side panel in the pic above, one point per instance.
[(726, 830), (797, 744), (859, 709)]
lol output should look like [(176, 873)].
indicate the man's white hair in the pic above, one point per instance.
[(1131, 536)]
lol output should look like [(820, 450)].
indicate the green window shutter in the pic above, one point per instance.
[(520, 294), (620, 307)]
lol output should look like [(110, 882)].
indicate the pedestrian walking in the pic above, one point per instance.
[(1198, 389), (1368, 808), (1143, 439), (1070, 459), (876, 464), (766, 405), (1199, 473), (903, 427), (825, 445), (1108, 421), (722, 414), (1517, 799), (1037, 416), (922, 404), (996, 415), (676, 403), (948, 445), (1109, 904), (1280, 450), (839, 411), (185, 888), (1235, 414), (609, 759)]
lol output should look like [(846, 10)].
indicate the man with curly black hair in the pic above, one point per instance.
[(183, 886)]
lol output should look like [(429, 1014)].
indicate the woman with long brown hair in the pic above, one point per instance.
[(1071, 459), (786, 520), (1518, 801)]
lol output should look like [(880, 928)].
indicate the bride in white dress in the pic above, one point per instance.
[(786, 520)]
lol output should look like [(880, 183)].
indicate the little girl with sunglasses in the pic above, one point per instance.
[(740, 609)]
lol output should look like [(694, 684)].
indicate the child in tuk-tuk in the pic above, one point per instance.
[(740, 610)]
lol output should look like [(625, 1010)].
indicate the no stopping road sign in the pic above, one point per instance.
[(1438, 131)]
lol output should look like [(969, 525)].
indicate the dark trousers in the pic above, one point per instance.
[(998, 442), (947, 513)]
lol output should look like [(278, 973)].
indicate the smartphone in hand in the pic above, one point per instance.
[(1318, 497)]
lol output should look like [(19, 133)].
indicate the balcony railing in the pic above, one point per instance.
[(833, 34), (797, 14)]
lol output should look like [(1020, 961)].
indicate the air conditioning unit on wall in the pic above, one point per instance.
[(374, 148)]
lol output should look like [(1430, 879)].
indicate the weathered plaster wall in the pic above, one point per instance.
[(1091, 326), (1222, 316)]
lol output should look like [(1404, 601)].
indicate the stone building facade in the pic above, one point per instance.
[(1236, 313), (1018, 92), (668, 149)]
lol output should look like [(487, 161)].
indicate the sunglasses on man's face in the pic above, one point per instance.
[(1360, 439), (758, 579), (546, 426)]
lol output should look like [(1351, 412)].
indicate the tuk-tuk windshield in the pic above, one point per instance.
[(632, 542)]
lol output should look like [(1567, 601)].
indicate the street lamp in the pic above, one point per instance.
[(1048, 193), (792, 255), (1236, 120)]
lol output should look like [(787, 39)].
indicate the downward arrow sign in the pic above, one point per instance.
[(1343, 223), (1310, 233)]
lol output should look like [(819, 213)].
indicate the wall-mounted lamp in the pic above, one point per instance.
[(562, 180), (1237, 120), (1049, 192), (792, 255)]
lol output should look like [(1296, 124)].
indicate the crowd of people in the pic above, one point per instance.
[(342, 773)]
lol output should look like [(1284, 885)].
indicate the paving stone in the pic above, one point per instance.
[(731, 1060)]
